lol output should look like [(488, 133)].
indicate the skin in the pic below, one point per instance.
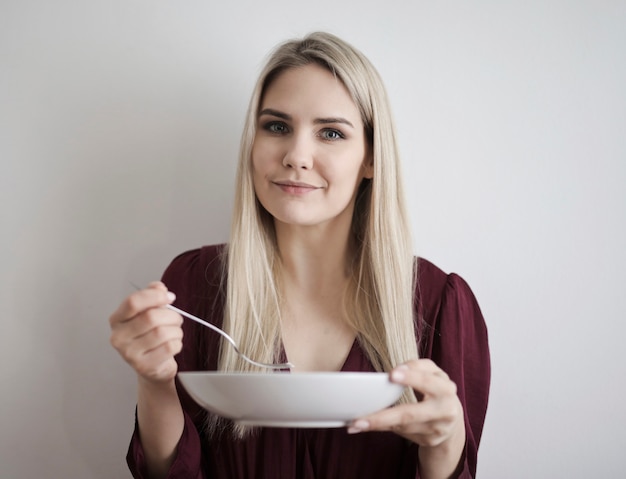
[(148, 336), (309, 153), (308, 158), (435, 423), (306, 172)]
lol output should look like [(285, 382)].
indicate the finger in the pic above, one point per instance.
[(140, 301), (159, 363), (125, 334), (157, 337), (425, 423), (424, 379), (394, 419), (149, 320), (156, 345), (158, 367), (425, 365), (157, 285)]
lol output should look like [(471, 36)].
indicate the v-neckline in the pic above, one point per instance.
[(282, 358)]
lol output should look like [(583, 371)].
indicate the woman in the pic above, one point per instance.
[(319, 271)]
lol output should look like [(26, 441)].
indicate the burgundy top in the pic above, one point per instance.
[(452, 333)]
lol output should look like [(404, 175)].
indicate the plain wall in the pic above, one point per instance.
[(119, 129)]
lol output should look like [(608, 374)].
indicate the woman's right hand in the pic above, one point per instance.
[(147, 335)]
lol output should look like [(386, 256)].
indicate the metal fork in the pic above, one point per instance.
[(226, 336)]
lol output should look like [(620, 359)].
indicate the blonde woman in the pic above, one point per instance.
[(319, 270)]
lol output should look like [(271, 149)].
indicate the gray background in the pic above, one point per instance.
[(119, 128)]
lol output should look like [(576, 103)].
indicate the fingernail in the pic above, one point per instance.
[(171, 297), (358, 426), (397, 375)]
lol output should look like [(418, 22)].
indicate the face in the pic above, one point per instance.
[(310, 152)]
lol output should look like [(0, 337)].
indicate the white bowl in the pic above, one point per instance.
[(292, 399)]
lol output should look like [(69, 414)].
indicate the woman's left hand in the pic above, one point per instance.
[(435, 422)]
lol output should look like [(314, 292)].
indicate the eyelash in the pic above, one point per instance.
[(340, 136), (270, 127)]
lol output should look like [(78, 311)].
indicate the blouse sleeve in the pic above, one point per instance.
[(191, 276), (187, 463), (456, 340)]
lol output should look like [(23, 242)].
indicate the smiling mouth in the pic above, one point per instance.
[(294, 187)]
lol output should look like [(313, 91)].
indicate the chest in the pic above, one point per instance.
[(317, 343)]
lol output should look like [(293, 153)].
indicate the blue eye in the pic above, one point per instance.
[(277, 127), (332, 135)]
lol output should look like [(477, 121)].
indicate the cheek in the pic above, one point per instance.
[(349, 169), (261, 157), (260, 167)]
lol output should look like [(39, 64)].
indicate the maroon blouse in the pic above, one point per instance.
[(452, 333)]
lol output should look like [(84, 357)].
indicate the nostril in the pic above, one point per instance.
[(298, 161)]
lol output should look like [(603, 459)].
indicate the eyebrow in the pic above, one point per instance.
[(318, 121)]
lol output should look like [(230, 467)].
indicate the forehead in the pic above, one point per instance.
[(310, 89)]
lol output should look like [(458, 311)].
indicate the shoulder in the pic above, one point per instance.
[(433, 285), (454, 335), (196, 263), (430, 283), (444, 303), (430, 276), (196, 272)]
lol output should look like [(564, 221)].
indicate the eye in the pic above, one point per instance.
[(276, 127), (331, 134)]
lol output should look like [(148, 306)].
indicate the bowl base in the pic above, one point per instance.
[(291, 424)]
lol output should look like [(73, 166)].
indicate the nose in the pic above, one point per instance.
[(299, 154)]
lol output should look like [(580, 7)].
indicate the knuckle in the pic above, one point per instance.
[(133, 359), (171, 347), (412, 363), (152, 317), (120, 342), (437, 430), (447, 413), (427, 381), (167, 337), (158, 317), (432, 440), (406, 417), (452, 388), (160, 334), (160, 296), (172, 317), (165, 369), (133, 303), (143, 370), (426, 363), (114, 339)]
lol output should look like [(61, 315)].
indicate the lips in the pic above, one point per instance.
[(295, 187)]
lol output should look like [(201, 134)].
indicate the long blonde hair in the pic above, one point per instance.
[(380, 298)]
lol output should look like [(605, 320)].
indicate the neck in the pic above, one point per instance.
[(314, 259)]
